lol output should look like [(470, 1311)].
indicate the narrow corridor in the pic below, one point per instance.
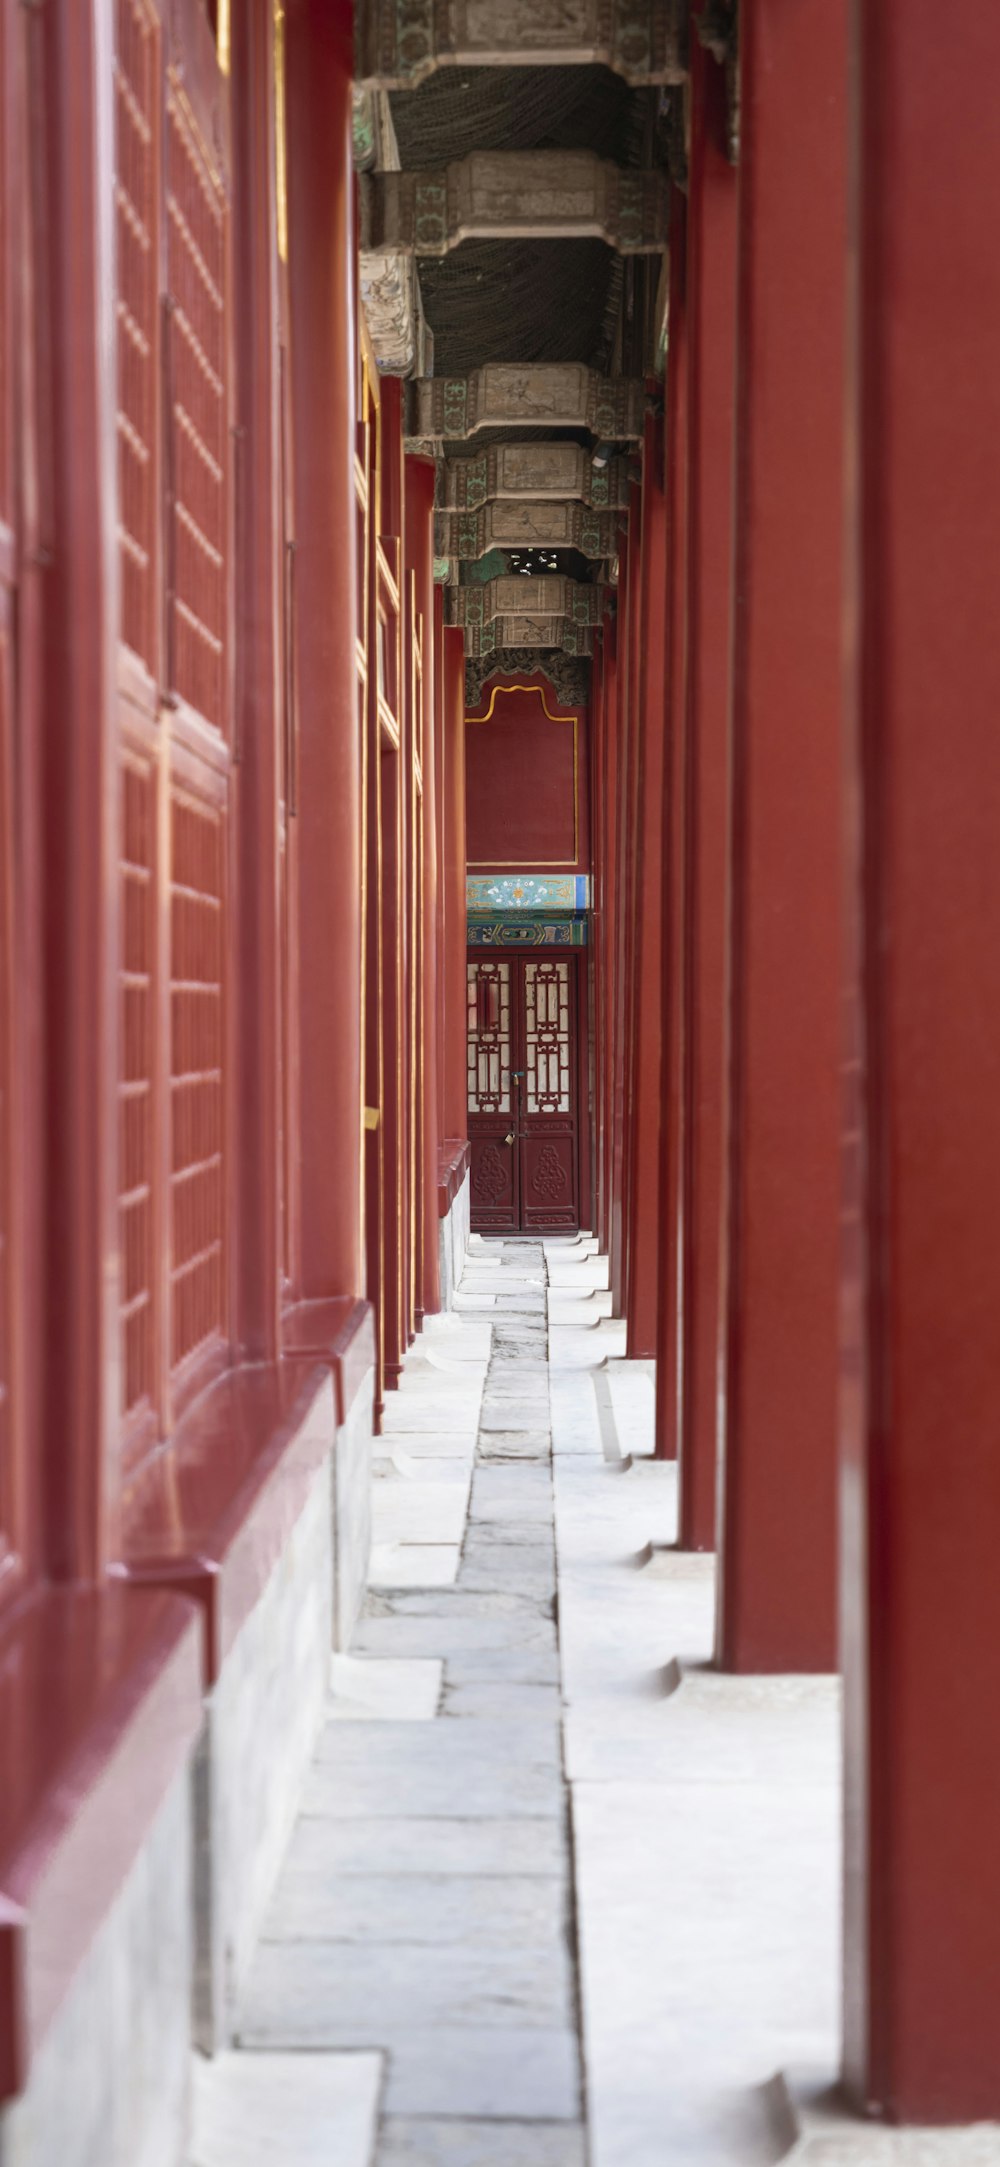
[(506, 1928)]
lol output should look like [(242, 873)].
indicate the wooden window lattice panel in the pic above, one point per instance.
[(197, 417), (137, 107), (197, 1024), (136, 1091), (547, 1038), (489, 1037)]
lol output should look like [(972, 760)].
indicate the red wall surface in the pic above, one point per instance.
[(526, 780)]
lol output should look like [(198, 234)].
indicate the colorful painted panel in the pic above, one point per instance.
[(527, 891), (530, 933)]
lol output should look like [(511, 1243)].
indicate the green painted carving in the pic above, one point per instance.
[(468, 535), (454, 405), (430, 213), (414, 35)]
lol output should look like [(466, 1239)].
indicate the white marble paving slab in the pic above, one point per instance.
[(433, 1443), (585, 1270), (418, 1509), (405, 1416), (632, 1388), (571, 1348), (299, 2110), (419, 1468), (567, 1306), (743, 1884), (413, 1565), (376, 1688), (573, 1413)]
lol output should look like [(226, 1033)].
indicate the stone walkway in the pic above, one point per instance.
[(557, 1894)]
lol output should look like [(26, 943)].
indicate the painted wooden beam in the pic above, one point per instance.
[(390, 297), (532, 472), (513, 595), (528, 195), (527, 525), (529, 395), (642, 40), (541, 632)]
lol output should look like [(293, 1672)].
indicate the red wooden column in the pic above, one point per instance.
[(921, 1350), (612, 704), (669, 1381), (456, 1088), (597, 907), (711, 308), (69, 599), (651, 693), (420, 473), (258, 705), (778, 1504), (319, 68), (621, 891), (631, 858)]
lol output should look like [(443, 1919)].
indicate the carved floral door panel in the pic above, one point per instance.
[(523, 1111)]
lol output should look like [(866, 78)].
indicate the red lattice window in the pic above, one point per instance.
[(489, 1037), (197, 429), (137, 90), (197, 1187), (547, 1038), (136, 1089)]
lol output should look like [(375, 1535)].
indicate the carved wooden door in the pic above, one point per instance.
[(523, 1097)]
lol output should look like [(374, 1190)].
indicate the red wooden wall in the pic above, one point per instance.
[(527, 780)]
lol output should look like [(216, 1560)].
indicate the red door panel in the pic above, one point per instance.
[(523, 1092), (492, 986)]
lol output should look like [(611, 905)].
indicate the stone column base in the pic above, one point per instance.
[(822, 2130)]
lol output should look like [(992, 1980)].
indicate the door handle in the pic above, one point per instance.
[(509, 1138)]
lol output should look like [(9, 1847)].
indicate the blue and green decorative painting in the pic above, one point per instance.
[(490, 892), (527, 932)]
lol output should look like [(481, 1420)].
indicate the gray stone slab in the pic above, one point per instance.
[(512, 1412), (414, 1603), (501, 1493), (503, 2074), (498, 1447), (456, 1634), (520, 1703), (415, 1844), (503, 1666), (512, 1385), (531, 1372), (432, 2143), (340, 1994), (509, 1783), (519, 1578), (400, 1750), (511, 1911)]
